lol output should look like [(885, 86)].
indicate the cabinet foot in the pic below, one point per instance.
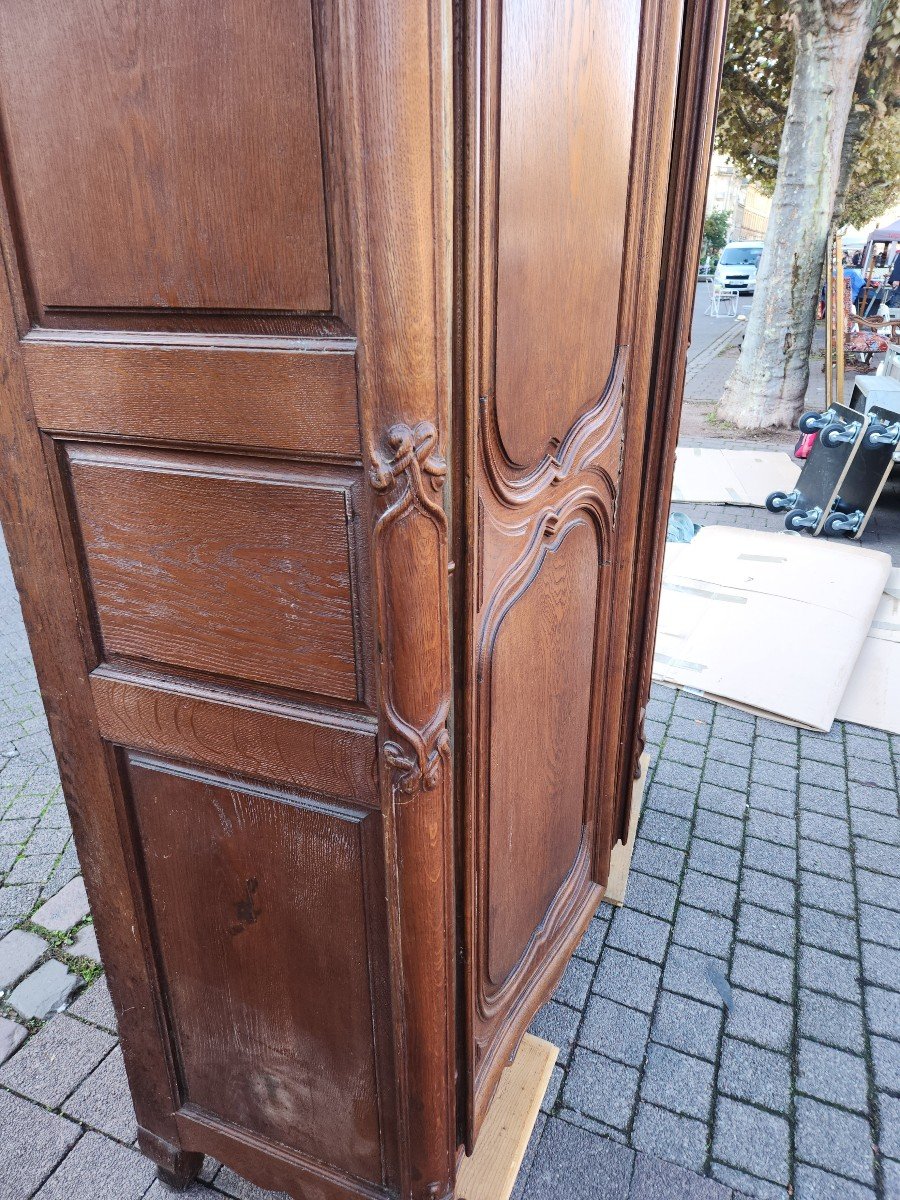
[(176, 1168)]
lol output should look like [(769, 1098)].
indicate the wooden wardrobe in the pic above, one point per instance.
[(342, 346)]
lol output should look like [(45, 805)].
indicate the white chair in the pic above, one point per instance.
[(721, 300)]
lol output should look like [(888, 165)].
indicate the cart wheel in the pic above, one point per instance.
[(878, 434), (834, 435), (776, 501), (837, 525), (810, 422), (797, 520)]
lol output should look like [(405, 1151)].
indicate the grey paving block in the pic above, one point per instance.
[(889, 1117), (825, 860), (811, 1183), (614, 1030), (834, 1140), (823, 892), (832, 1021), (828, 931), (822, 774), (872, 749), (591, 944), (819, 747), (32, 868), (665, 829), (578, 1165), (748, 1072), (881, 965), (714, 859), (775, 774), (871, 772), (876, 826), (760, 1020), (44, 991), (832, 1075), (197, 1191), (822, 800), (638, 934), (234, 1185), (821, 971), (650, 895), (727, 775), (558, 1024), (876, 856), (12, 1035), (771, 827), (725, 831), (655, 1179), (693, 707), (747, 1185), (769, 857), (677, 1081), (767, 799), (891, 1174), (886, 1062), (575, 984), (687, 1025), (662, 861), (84, 944), (690, 754), (732, 726), (669, 1136), (882, 1010), (97, 1169), (721, 800), (601, 1088), (707, 892), (19, 952), (95, 1005), (768, 891), (766, 727), (878, 889), (752, 1140), (55, 1061), (874, 799), (32, 1143), (557, 1075), (776, 751), (670, 800), (879, 925), (819, 827), (688, 973), (628, 980), (103, 1100), (762, 971), (737, 754), (654, 731), (65, 909), (766, 929), (703, 931), (689, 731)]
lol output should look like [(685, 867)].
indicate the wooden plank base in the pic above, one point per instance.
[(490, 1173), (620, 859)]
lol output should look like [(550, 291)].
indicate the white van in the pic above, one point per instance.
[(738, 265)]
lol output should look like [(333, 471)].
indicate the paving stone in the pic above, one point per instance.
[(768, 891), (575, 984), (889, 1115), (19, 952), (872, 748), (725, 831), (876, 799), (95, 1005), (709, 893), (727, 775), (196, 1191), (232, 1184), (834, 1140), (17, 901), (814, 1184), (826, 860), (881, 964), (639, 934), (823, 892), (12, 1035), (627, 980), (878, 889), (767, 799), (689, 731), (687, 1025), (876, 826), (662, 861), (767, 856), (693, 707), (752, 1073), (760, 1020), (591, 944), (869, 771), (737, 754), (690, 754), (819, 827), (822, 774), (578, 1165), (727, 724), (650, 895), (670, 800), (44, 991), (677, 775), (766, 727), (771, 827), (688, 973), (666, 829), (834, 1022), (557, 1075), (876, 856), (766, 929), (713, 859), (891, 1174), (56, 1060), (97, 1169), (558, 1024), (775, 751), (721, 800), (84, 944), (33, 1142), (65, 909), (879, 925), (614, 1030), (882, 1011), (747, 1185), (822, 800), (669, 1136), (751, 1140), (655, 1179), (103, 1100), (676, 1081), (654, 731), (827, 931), (32, 868), (823, 972), (659, 710), (703, 931), (832, 1075), (886, 1062), (600, 1087), (763, 972), (775, 774)]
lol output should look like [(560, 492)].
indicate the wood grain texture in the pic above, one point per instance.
[(219, 395), (166, 154), (240, 569)]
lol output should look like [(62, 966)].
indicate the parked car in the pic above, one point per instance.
[(738, 265)]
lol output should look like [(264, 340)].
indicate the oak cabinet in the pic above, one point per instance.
[(341, 346)]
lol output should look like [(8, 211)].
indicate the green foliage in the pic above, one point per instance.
[(756, 84), (715, 232)]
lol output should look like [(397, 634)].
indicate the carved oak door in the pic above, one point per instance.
[(569, 111), (224, 389)]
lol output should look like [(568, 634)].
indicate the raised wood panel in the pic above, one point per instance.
[(566, 95), (271, 396), (231, 567), (166, 153), (260, 898), (540, 667)]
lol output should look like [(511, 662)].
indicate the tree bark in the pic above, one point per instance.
[(769, 381)]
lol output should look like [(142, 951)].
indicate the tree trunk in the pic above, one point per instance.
[(769, 381)]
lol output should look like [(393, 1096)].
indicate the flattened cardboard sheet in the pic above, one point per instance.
[(708, 476), (769, 621), (873, 693)]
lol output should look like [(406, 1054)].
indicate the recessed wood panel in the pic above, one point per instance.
[(166, 153), (258, 902), (567, 76), (541, 664), (231, 567)]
